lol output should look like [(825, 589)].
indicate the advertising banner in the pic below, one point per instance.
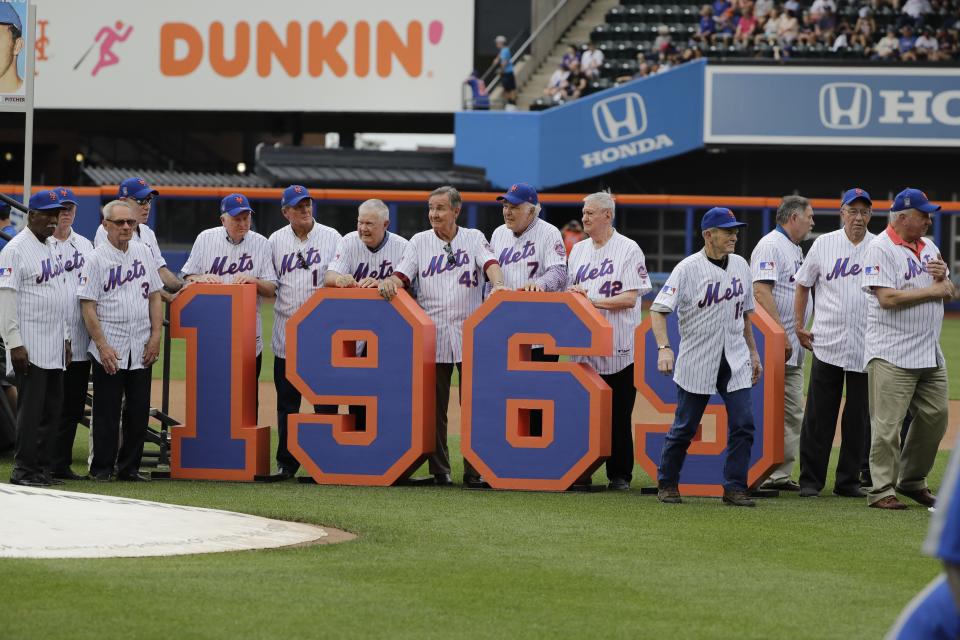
[(903, 106), (291, 55), (636, 123), (15, 42)]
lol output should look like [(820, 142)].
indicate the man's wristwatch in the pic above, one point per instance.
[(661, 347)]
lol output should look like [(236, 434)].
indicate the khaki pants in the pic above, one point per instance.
[(892, 391), (792, 420)]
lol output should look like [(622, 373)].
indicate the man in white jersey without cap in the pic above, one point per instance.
[(775, 261), (609, 270), (711, 295), (362, 259), (448, 265), (33, 320), (908, 282), (832, 271), (302, 251)]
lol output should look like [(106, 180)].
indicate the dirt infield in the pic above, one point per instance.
[(643, 412)]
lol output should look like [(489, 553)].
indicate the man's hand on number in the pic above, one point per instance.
[(755, 366), (665, 361), (531, 286), (210, 278), (578, 289), (20, 360), (345, 281), (366, 283), (388, 288), (109, 358), (806, 338), (244, 279)]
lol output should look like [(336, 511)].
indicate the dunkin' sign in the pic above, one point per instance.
[(296, 55)]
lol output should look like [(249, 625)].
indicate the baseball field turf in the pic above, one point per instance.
[(449, 562)]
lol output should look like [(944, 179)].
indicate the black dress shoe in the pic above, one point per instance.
[(285, 474), (66, 474), (849, 492), (133, 477), (30, 481), (52, 480), (100, 477), (442, 480), (426, 481), (475, 483), (619, 484), (809, 492)]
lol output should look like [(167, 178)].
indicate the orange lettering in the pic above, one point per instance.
[(323, 49), (389, 44), (361, 49), (241, 50), (270, 46), (170, 34)]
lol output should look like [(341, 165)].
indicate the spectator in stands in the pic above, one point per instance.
[(576, 82), (771, 28), (808, 30), (507, 79), (792, 6), (5, 224), (572, 233), (569, 56), (762, 9), (724, 27), (842, 41), (888, 46), (746, 28), (914, 11), (826, 25), (907, 42), (663, 40), (558, 83), (707, 26), (643, 70), (591, 62), (820, 6), (479, 99), (720, 7), (927, 46), (864, 29), (788, 29)]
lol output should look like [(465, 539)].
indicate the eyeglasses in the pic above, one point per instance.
[(866, 213), (126, 222), (145, 201), (451, 260), (302, 261)]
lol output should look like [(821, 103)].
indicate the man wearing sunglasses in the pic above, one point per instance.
[(74, 252), (140, 196), (33, 313), (120, 301), (234, 254), (832, 269), (448, 265), (302, 252)]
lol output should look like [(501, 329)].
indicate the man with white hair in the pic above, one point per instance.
[(362, 259), (234, 254), (775, 261), (908, 282), (609, 270)]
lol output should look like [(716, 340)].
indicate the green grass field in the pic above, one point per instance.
[(950, 342), (441, 563)]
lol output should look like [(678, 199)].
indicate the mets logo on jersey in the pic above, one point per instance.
[(559, 249), (767, 266), (871, 270)]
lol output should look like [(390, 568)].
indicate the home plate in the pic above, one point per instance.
[(43, 523)]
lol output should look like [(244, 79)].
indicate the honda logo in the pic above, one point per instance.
[(620, 117), (845, 105)]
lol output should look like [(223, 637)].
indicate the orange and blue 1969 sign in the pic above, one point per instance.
[(702, 473), (220, 439), (392, 376), (501, 387)]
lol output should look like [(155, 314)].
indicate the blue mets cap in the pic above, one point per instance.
[(855, 194), (9, 15), (913, 199), (520, 193), (294, 194), (720, 218), (136, 188), (45, 200), (67, 196), (235, 204)]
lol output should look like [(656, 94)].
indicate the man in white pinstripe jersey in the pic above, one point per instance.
[(302, 252), (120, 300), (234, 254), (74, 252), (609, 270), (33, 320), (908, 282), (532, 257), (775, 261), (448, 265), (710, 293), (363, 258), (832, 270)]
